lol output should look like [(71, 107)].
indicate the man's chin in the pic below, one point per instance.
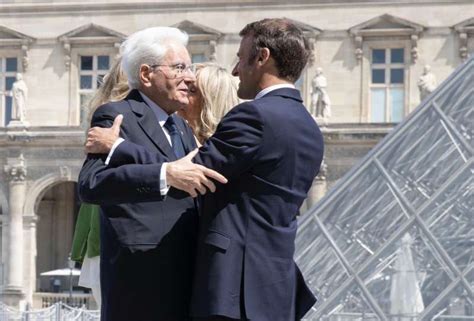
[(244, 95), (182, 104)]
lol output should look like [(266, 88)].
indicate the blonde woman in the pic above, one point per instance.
[(86, 241), (114, 88), (210, 98)]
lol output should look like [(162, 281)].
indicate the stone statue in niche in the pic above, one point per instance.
[(427, 83), (320, 102), (20, 95)]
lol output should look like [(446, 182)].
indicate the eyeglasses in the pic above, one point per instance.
[(178, 70)]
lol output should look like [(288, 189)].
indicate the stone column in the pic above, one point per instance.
[(13, 282), (319, 188), (29, 256)]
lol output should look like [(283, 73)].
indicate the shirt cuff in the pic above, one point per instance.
[(114, 146), (164, 188)]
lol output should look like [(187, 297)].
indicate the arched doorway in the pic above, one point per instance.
[(57, 213)]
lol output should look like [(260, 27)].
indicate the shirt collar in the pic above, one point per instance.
[(265, 91), (160, 114)]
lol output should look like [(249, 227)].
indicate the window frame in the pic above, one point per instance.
[(95, 73), (366, 65), (75, 108), (388, 85), (19, 69)]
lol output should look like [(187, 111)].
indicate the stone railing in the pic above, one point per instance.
[(44, 300)]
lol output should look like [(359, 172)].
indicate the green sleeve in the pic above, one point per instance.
[(81, 233), (93, 240)]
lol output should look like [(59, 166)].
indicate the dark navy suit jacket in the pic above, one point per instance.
[(270, 149), (147, 241)]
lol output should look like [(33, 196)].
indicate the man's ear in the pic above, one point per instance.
[(263, 56), (145, 75)]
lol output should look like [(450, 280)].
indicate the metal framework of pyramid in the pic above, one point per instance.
[(394, 238)]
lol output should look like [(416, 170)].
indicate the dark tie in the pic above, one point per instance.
[(176, 142)]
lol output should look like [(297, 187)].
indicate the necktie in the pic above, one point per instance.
[(176, 142)]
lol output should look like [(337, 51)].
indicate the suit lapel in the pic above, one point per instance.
[(148, 123), (187, 141)]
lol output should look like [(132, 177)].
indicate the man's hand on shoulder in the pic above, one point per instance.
[(183, 174), (100, 140)]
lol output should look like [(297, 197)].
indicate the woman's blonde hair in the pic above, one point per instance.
[(219, 94), (114, 88)]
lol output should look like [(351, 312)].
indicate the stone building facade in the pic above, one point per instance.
[(372, 53)]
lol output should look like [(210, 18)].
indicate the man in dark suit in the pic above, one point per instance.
[(270, 149), (147, 247)]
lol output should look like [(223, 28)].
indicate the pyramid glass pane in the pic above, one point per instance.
[(450, 219), (334, 276), (408, 276), (349, 305), (394, 238)]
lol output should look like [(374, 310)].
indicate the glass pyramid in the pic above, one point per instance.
[(394, 238)]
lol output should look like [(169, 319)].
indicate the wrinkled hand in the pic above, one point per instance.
[(183, 174), (100, 140)]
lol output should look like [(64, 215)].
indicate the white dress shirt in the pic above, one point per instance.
[(265, 91)]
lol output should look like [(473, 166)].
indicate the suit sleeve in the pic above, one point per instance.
[(234, 146), (103, 185), (128, 152)]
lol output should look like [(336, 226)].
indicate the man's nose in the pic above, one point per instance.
[(235, 72), (189, 77)]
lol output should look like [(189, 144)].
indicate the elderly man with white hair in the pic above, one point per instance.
[(148, 230)]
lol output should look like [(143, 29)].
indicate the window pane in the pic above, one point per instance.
[(198, 58), (103, 63), (85, 100), (12, 64), (396, 55), (100, 80), (86, 62), (378, 56), (377, 105), (86, 82), (378, 76), (9, 82), (8, 109), (396, 100), (396, 76)]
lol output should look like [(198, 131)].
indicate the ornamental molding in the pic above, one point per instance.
[(89, 34), (386, 26), (30, 221), (200, 33), (17, 171), (465, 30), (10, 38)]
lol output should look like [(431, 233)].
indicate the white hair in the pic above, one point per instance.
[(148, 46)]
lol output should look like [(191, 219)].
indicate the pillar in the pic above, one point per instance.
[(13, 282)]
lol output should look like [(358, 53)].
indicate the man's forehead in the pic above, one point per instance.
[(244, 44), (176, 52)]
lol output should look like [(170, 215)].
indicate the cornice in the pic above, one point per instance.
[(42, 136), (187, 5)]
